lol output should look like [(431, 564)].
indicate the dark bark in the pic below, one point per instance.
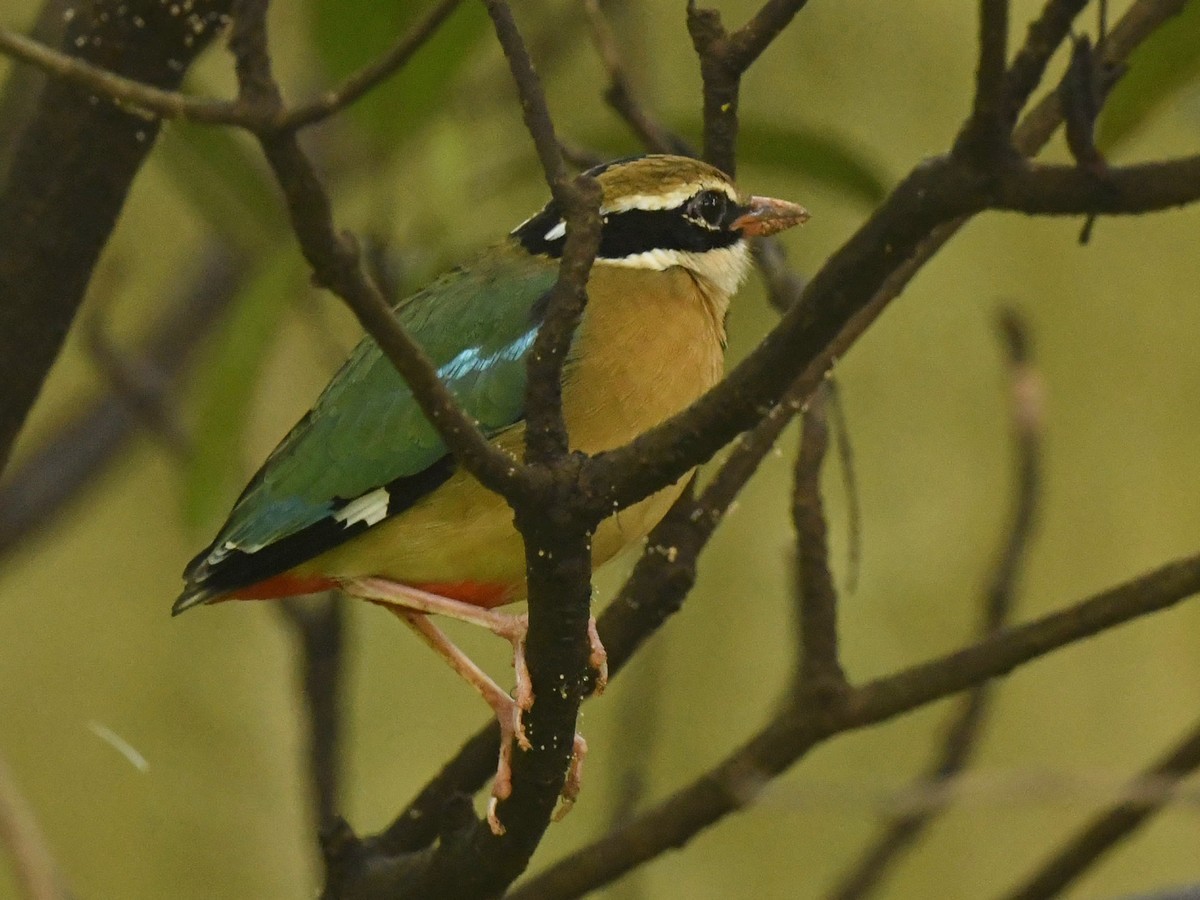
[(58, 208)]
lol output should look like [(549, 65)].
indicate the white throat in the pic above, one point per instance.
[(724, 268)]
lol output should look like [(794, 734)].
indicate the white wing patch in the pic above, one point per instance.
[(370, 508), (556, 232)]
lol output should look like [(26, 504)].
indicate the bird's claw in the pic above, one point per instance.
[(597, 659), (574, 782)]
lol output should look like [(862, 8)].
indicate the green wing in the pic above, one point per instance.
[(477, 324)]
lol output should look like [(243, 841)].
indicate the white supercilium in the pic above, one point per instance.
[(669, 200)]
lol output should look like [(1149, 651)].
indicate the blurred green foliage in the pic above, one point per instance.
[(1158, 72), (215, 464), (348, 36), (225, 182)]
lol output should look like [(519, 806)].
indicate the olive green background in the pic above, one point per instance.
[(210, 699)]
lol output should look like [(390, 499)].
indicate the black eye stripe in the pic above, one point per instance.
[(633, 231), (642, 230)]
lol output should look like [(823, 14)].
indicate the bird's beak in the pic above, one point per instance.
[(765, 215)]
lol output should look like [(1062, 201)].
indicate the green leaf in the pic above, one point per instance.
[(1168, 61), (348, 35), (819, 155), (223, 177), (225, 389)]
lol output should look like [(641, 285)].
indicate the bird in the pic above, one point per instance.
[(363, 495)]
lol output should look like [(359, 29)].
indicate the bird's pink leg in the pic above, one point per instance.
[(512, 628), (508, 712), (413, 606)]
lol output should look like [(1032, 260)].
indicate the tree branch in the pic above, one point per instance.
[(556, 529), (170, 104), (579, 201), (1127, 190), (58, 209), (797, 729)]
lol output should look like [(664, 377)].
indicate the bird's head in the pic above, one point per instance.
[(659, 212)]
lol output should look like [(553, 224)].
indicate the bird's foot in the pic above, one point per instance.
[(413, 606), (511, 729), (597, 659), (502, 785), (574, 782)]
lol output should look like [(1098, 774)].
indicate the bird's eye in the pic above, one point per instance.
[(708, 206)]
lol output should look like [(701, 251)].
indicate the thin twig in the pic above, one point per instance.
[(56, 472), (533, 101), (724, 58), (963, 733), (748, 42), (320, 629), (579, 200), (374, 73), (134, 94), (167, 104), (985, 137), (1081, 852), (654, 136), (818, 670), (1046, 34)]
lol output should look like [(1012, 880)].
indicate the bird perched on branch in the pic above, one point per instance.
[(362, 494)]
